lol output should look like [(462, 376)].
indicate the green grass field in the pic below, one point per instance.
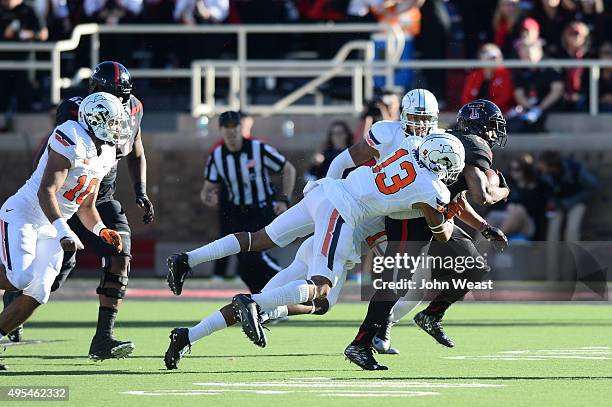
[(506, 354)]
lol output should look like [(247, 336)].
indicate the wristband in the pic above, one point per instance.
[(62, 228), (140, 188), (98, 228)]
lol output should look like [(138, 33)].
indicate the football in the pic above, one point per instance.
[(492, 177)]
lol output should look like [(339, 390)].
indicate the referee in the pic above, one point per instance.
[(242, 166)]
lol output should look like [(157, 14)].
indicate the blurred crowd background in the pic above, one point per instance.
[(438, 29)]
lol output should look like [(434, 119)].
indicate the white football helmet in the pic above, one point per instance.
[(105, 116), (419, 115), (443, 154)]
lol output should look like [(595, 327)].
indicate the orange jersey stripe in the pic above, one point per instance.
[(330, 227)]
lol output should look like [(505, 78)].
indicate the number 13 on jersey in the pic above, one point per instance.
[(401, 176)]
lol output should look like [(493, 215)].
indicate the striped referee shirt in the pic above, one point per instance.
[(245, 172)]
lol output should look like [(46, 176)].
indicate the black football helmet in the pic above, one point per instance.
[(111, 77), (480, 116)]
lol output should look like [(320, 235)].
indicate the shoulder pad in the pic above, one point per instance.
[(477, 151), (65, 140), (383, 132)]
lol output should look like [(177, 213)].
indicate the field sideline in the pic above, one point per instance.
[(506, 354)]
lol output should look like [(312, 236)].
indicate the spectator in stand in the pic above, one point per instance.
[(494, 84), (18, 22), (339, 137), (506, 22), (571, 185), (476, 17), (112, 12), (54, 14), (552, 17), (192, 12), (575, 44), (529, 30), (592, 13), (605, 79), (523, 217), (201, 12), (536, 90), (432, 43)]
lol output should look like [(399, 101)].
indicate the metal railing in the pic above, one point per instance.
[(240, 70)]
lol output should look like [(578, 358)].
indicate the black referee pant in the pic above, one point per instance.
[(254, 268)]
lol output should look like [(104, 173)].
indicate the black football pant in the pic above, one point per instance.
[(409, 236)]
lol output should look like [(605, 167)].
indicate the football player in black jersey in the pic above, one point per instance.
[(480, 126), (114, 78)]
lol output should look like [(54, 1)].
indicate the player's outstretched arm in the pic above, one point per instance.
[(137, 167), (351, 157), (480, 190), (52, 180), (441, 227)]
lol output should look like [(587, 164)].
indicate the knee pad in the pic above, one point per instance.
[(108, 277)]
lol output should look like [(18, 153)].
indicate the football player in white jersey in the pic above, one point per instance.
[(370, 232), (34, 232), (412, 177)]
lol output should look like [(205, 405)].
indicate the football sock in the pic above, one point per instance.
[(106, 321), (437, 308), (401, 308), (223, 247), (378, 313), (296, 292), (207, 326), (278, 312), (365, 335)]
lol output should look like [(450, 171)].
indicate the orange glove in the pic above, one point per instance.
[(112, 237)]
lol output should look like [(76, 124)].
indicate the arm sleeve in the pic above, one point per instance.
[(210, 172), (272, 159)]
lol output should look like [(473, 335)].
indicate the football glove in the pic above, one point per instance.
[(496, 237), (145, 203), (112, 237)]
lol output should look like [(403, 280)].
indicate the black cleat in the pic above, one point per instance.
[(363, 357), (109, 348), (178, 270), (431, 325), (179, 345), (247, 311), (3, 367), (382, 341), (16, 334)]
